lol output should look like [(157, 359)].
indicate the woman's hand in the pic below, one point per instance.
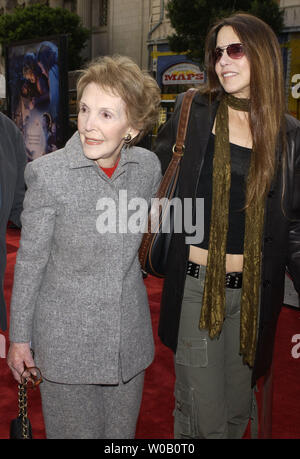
[(19, 358)]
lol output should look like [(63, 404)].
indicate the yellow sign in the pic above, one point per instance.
[(183, 73)]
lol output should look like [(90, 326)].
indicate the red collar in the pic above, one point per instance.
[(110, 170)]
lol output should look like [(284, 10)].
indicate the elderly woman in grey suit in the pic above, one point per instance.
[(78, 293)]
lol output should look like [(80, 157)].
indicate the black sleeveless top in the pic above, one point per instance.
[(240, 162)]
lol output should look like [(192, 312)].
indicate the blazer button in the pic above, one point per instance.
[(266, 283), (271, 194), (268, 239)]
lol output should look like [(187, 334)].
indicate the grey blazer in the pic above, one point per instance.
[(12, 189), (78, 294)]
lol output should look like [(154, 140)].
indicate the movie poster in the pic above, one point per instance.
[(36, 78)]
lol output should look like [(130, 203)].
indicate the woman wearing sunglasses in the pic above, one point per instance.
[(222, 295)]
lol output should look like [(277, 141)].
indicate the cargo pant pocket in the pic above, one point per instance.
[(192, 352), (184, 425)]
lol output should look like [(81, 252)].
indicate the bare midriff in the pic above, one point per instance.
[(234, 262)]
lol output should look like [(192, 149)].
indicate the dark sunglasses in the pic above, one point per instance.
[(234, 51), (31, 377)]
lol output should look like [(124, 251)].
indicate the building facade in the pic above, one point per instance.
[(290, 40), (173, 72), (139, 29)]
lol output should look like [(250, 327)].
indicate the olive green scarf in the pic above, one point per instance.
[(213, 305)]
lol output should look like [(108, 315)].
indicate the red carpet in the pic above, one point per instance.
[(156, 421)]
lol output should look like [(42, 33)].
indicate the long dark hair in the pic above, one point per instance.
[(267, 98)]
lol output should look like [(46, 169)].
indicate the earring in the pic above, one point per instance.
[(127, 138)]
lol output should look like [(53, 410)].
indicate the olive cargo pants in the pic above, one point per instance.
[(213, 395)]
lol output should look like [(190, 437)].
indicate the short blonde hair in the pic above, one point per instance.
[(123, 77)]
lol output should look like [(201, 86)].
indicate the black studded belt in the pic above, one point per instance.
[(232, 280)]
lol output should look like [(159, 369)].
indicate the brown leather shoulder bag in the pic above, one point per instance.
[(155, 244)]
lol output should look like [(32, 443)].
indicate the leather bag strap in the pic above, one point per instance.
[(178, 147), (172, 170), (183, 120)]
